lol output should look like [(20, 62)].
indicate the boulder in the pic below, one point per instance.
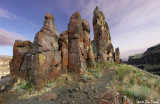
[(6, 84)]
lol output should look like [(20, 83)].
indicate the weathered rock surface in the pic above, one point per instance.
[(63, 42), (149, 60), (117, 56), (113, 98), (80, 50), (49, 55), (20, 49), (6, 84), (103, 47), (40, 61)]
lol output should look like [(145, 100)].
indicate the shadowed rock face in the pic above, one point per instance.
[(63, 41), (49, 54), (117, 56), (103, 47)]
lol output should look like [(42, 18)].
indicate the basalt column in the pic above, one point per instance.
[(102, 45)]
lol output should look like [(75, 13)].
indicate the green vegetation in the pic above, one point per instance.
[(96, 71), (23, 86), (135, 83)]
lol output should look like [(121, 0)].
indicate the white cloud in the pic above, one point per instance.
[(8, 38)]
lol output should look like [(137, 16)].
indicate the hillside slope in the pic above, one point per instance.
[(149, 60), (108, 81)]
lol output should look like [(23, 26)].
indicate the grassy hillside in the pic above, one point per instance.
[(135, 83)]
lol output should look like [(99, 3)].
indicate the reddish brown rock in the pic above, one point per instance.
[(114, 98), (45, 54), (41, 61), (64, 49), (102, 101), (103, 47), (20, 49), (76, 56), (89, 56), (108, 96)]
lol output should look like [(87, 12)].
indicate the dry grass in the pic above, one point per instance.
[(136, 84), (4, 65)]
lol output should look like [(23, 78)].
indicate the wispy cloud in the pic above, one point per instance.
[(134, 24), (7, 38), (8, 15)]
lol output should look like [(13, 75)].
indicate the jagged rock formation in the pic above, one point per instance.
[(50, 55), (40, 61), (103, 47), (63, 41), (20, 49), (149, 60), (117, 56)]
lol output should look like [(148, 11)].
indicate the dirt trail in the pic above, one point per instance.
[(73, 93)]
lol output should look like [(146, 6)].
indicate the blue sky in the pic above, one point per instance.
[(134, 24)]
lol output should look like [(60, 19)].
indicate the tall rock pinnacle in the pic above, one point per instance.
[(103, 47)]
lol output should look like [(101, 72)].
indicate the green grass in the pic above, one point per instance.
[(23, 86), (135, 83), (97, 71)]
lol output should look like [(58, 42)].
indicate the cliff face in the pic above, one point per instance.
[(51, 54), (149, 60)]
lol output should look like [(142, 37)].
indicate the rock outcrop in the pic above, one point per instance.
[(20, 49), (63, 41), (149, 60), (40, 61), (50, 54), (103, 47), (117, 56)]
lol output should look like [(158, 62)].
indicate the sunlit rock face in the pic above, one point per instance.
[(42, 61), (50, 55), (80, 50), (103, 47)]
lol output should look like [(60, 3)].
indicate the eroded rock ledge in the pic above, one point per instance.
[(52, 54)]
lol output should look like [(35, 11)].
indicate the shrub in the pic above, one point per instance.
[(137, 92)]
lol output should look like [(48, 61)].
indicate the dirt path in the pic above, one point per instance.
[(73, 93)]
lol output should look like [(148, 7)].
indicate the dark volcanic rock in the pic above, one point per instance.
[(49, 54), (80, 50), (149, 60), (103, 47), (20, 49), (63, 42), (117, 56), (42, 60)]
